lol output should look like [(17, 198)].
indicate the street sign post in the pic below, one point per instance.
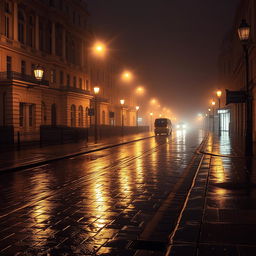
[(235, 97)]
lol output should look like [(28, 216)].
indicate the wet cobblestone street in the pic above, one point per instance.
[(100, 203)]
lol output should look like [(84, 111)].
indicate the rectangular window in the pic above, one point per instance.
[(53, 76), (7, 8), (61, 77), (31, 115), (68, 80), (23, 67), (8, 65), (21, 114), (80, 83), (7, 26), (87, 85), (74, 81)]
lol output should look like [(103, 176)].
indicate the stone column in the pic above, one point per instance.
[(15, 21), (53, 38), (63, 43)]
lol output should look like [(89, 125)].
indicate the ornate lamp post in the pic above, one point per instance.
[(96, 92), (39, 72), (122, 115), (213, 112), (209, 119), (244, 34), (151, 121), (219, 93), (137, 116)]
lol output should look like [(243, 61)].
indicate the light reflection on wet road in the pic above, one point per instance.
[(84, 205)]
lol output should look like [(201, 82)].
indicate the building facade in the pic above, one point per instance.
[(54, 35), (232, 67)]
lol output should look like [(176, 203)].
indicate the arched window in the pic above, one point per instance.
[(21, 26), (43, 113), (54, 115), (103, 117), (80, 116), (73, 115)]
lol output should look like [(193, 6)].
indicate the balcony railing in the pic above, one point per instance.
[(74, 89), (11, 75)]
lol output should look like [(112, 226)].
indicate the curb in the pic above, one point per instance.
[(35, 164)]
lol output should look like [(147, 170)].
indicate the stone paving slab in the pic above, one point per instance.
[(219, 217)]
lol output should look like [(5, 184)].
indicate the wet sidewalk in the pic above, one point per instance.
[(219, 215), (26, 158)]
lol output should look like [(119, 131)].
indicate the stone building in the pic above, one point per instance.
[(54, 35), (232, 66)]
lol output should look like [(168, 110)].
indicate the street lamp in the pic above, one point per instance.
[(96, 91), (127, 76), (244, 35), (219, 93), (99, 49), (213, 112), (122, 115), (137, 116), (38, 72), (140, 90), (151, 121)]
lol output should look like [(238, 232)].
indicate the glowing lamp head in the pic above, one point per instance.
[(213, 103), (137, 108), (96, 90), (99, 49), (151, 114), (140, 90), (39, 72), (219, 93), (244, 31), (122, 102), (209, 109), (127, 76)]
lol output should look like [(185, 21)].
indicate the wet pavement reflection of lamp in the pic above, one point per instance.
[(244, 35), (122, 116), (96, 91)]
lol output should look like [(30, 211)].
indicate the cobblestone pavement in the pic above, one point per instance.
[(219, 215), (119, 201)]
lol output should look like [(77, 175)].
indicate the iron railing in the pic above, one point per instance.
[(11, 75)]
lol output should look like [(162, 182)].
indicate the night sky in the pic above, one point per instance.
[(171, 45)]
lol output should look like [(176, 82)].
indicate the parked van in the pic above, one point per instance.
[(163, 126)]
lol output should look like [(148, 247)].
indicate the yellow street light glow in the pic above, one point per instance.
[(153, 101), (213, 103), (140, 90), (99, 49), (127, 76), (137, 108), (96, 90), (151, 114), (219, 93), (209, 109), (122, 102)]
